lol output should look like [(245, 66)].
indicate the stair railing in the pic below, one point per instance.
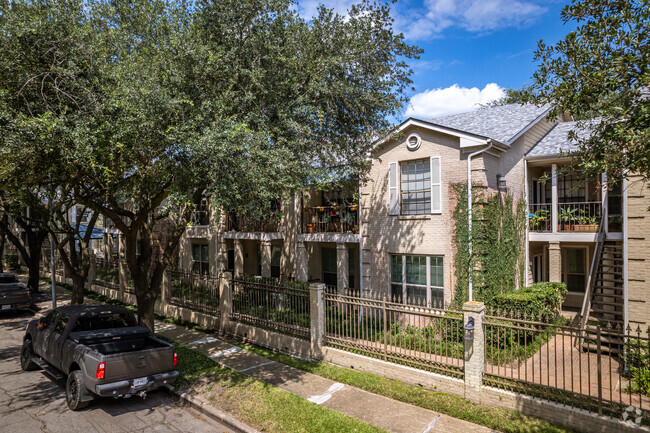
[(591, 280)]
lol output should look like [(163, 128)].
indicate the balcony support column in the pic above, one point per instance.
[(301, 261), (239, 258), (554, 262), (343, 267), (554, 206), (266, 258)]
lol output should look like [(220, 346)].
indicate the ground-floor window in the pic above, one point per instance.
[(330, 265), (200, 259), (417, 280), (276, 254)]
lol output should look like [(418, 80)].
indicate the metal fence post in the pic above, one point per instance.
[(474, 340), (383, 309), (225, 301), (317, 316)]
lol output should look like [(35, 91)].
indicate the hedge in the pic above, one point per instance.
[(540, 299)]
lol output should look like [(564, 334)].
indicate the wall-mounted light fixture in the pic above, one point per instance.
[(469, 329), (501, 182)]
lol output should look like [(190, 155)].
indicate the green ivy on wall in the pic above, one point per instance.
[(498, 235)]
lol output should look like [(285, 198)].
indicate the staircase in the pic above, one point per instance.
[(607, 305)]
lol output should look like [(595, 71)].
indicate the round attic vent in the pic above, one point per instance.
[(413, 141)]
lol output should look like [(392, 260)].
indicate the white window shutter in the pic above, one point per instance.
[(393, 196), (436, 185)]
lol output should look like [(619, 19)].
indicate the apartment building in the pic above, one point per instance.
[(392, 235)]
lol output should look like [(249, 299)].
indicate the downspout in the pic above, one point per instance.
[(469, 211)]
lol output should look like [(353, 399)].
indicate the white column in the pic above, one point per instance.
[(301, 261), (554, 209), (266, 258), (342, 267), (239, 258)]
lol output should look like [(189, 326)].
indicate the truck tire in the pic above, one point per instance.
[(27, 356), (74, 390)]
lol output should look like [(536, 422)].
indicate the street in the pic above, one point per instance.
[(32, 401)]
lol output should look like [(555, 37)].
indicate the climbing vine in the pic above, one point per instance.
[(498, 235)]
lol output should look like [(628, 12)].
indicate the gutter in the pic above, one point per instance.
[(469, 211)]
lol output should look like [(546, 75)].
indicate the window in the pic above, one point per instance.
[(570, 188), (329, 267), (200, 257), (276, 255), (417, 280), (415, 187), (420, 187), (61, 324), (230, 266)]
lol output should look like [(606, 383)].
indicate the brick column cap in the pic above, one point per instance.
[(474, 306)]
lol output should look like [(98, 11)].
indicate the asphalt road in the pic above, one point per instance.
[(32, 401)]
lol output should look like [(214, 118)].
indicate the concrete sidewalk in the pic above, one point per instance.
[(388, 414)]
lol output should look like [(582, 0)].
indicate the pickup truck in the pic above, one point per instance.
[(13, 294), (101, 350)]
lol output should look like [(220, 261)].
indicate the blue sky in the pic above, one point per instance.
[(473, 49)]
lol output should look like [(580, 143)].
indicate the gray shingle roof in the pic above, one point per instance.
[(557, 141), (500, 123)]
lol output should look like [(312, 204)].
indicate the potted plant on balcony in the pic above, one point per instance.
[(567, 218), (540, 220), (586, 223), (309, 228)]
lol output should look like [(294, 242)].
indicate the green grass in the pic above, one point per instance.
[(262, 406), (503, 420)]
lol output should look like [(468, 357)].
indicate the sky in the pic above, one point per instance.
[(473, 49)]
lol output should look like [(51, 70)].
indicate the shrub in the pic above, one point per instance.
[(11, 260), (637, 360), (539, 299)]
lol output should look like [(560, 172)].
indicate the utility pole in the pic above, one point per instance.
[(52, 270)]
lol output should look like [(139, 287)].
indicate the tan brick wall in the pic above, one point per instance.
[(638, 246)]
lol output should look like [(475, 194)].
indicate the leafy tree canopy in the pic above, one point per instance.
[(601, 71)]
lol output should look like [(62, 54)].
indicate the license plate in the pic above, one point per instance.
[(6, 307), (139, 382)]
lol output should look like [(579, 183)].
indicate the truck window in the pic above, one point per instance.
[(61, 324), (6, 279), (51, 318), (104, 321)]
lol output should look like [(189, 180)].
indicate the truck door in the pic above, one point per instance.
[(56, 340), (43, 335)]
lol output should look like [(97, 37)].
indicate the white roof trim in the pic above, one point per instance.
[(478, 139), (530, 125)]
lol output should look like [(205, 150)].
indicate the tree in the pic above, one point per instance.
[(600, 71), (241, 100)]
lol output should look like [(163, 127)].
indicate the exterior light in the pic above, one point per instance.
[(501, 182), (469, 329)]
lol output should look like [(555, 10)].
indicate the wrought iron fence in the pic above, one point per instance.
[(280, 308), (421, 337), (107, 274), (602, 369), (240, 223), (197, 292)]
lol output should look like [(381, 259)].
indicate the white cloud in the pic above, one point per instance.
[(451, 100), (471, 15)]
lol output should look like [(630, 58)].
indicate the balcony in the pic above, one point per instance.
[(331, 219), (237, 223), (571, 217)]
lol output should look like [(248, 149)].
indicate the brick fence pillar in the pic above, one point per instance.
[(165, 287), (225, 302), (474, 350), (317, 313), (92, 274)]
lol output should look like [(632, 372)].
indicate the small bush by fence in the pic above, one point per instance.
[(539, 299), (281, 308), (194, 291)]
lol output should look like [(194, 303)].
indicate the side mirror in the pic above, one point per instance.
[(41, 323)]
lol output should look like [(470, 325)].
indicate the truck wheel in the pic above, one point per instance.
[(27, 356), (74, 389)]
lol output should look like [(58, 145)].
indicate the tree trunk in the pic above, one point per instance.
[(78, 287), (34, 243)]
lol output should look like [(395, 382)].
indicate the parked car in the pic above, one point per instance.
[(101, 350), (13, 293)]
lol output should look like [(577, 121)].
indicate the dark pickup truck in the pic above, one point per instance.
[(101, 350), (13, 294)]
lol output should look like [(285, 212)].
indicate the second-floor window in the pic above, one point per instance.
[(415, 187), (200, 259)]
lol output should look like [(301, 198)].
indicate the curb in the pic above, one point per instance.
[(205, 408)]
